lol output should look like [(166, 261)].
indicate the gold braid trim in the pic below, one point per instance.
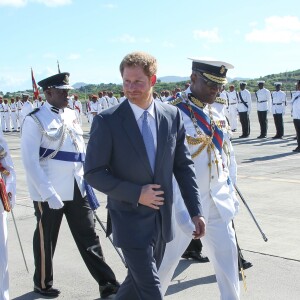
[(175, 101), (220, 100), (215, 78), (198, 102)]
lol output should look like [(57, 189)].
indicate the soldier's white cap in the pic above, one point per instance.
[(260, 81), (277, 83), (243, 83), (25, 95), (212, 70)]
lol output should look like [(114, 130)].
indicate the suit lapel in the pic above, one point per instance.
[(162, 135), (133, 132)]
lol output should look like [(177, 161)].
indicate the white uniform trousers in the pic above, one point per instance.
[(2, 121), (14, 118), (220, 244), (7, 121), (3, 258), (232, 114)]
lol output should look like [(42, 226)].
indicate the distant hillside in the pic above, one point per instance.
[(173, 78), (78, 85)]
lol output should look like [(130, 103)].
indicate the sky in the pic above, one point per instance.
[(89, 38)]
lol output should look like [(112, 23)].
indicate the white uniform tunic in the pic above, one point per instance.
[(51, 177), (245, 94), (2, 116), (278, 102), (7, 116), (295, 103), (14, 116), (232, 109), (263, 99), (10, 187), (78, 111), (112, 101), (26, 109)]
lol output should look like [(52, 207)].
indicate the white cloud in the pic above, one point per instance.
[(110, 6), (277, 30), (73, 56), (208, 35), (167, 44), (16, 3), (20, 3), (253, 23)]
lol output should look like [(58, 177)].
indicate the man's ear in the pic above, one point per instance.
[(193, 77), (153, 80)]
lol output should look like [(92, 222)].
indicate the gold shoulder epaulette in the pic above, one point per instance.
[(220, 100), (175, 101)]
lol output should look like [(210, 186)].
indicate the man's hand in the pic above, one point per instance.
[(200, 227), (55, 202), (151, 197)]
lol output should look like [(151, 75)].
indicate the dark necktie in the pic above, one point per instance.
[(148, 139)]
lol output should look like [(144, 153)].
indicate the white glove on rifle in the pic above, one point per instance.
[(55, 202)]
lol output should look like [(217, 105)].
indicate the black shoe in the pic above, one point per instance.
[(49, 292), (242, 136), (194, 255), (276, 137), (108, 289), (261, 137), (246, 264), (233, 130), (297, 149)]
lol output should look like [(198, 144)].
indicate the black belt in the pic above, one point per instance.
[(262, 101), (232, 103), (277, 103)]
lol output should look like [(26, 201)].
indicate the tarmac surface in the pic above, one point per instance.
[(268, 177)]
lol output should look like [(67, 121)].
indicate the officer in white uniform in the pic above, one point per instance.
[(78, 109), (112, 100), (7, 115), (205, 138), (278, 109), (244, 108), (102, 102), (122, 97), (19, 104), (263, 97), (10, 183), (95, 108), (2, 115), (232, 107), (295, 103), (37, 103), (53, 152), (26, 108), (13, 114)]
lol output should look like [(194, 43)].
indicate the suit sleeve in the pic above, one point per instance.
[(184, 172), (97, 166)]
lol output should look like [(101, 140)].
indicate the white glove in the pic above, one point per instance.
[(55, 202)]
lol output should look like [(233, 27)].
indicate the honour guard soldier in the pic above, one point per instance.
[(296, 113), (2, 114), (112, 100), (38, 102), (7, 115), (244, 109), (203, 124), (53, 152), (26, 107), (78, 109), (278, 109), (19, 108), (263, 97), (7, 202), (122, 97), (232, 107), (13, 114), (95, 108), (102, 101)]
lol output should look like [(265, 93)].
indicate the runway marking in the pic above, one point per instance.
[(270, 179)]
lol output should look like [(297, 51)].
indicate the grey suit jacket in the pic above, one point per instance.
[(117, 165)]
